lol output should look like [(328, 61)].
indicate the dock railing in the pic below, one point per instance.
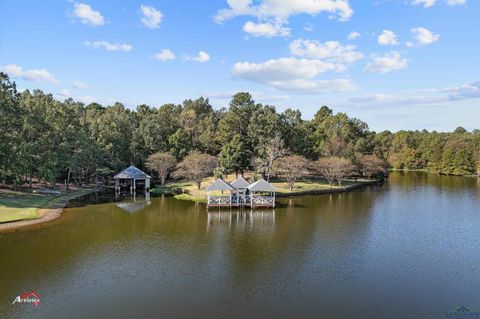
[(247, 200)]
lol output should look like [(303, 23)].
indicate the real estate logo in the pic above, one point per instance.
[(462, 312), (29, 297)]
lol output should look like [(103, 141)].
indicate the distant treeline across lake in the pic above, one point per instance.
[(48, 140)]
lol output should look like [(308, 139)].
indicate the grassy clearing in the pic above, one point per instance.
[(191, 192), (199, 199), (310, 185), (15, 206), (8, 214), (170, 188)]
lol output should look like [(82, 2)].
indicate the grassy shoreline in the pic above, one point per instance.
[(21, 206), (184, 190)]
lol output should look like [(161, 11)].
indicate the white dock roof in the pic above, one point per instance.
[(219, 185), (240, 183), (261, 186)]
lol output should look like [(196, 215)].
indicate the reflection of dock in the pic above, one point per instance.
[(242, 219), (135, 204)]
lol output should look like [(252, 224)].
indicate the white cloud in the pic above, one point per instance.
[(202, 57), (266, 29), (409, 44), (424, 36), (455, 2), (430, 3), (108, 46), (425, 3), (283, 69), (37, 75), (293, 74), (308, 27), (466, 91), (64, 93), (151, 17), (385, 63), (87, 99), (258, 96), (353, 35), (281, 10), (331, 51), (81, 85), (387, 38), (315, 86), (422, 97), (87, 15), (165, 55)]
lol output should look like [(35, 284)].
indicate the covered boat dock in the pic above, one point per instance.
[(132, 177), (240, 193)]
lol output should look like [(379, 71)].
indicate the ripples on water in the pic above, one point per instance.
[(407, 249)]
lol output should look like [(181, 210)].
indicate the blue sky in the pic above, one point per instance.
[(396, 64)]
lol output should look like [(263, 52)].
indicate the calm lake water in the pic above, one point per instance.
[(407, 249)]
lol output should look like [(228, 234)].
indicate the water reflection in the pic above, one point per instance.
[(365, 254), (135, 204), (242, 219)]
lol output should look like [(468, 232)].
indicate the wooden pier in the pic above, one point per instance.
[(240, 193)]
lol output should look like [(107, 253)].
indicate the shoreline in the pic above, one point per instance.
[(46, 214), (197, 199), (424, 170), (331, 190)]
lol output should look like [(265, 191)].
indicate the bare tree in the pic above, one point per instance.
[(335, 147), (334, 169), (273, 150), (196, 166), (291, 168), (371, 165), (162, 163)]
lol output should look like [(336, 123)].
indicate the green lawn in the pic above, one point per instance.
[(200, 199), (308, 185), (19, 206), (191, 192), (16, 206), (8, 214)]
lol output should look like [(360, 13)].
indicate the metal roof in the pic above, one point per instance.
[(240, 183), (261, 186), (219, 185), (132, 172)]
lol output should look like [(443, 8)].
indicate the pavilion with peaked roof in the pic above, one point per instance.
[(262, 194), (131, 177), (240, 186), (240, 193), (216, 193)]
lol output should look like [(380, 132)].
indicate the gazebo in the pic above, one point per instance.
[(262, 194), (129, 178), (240, 186), (216, 199), (240, 193)]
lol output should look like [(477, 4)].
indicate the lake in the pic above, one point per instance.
[(409, 248)]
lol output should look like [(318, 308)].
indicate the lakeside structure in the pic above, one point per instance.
[(240, 193), (129, 178)]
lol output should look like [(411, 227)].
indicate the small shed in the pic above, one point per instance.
[(129, 178), (262, 193)]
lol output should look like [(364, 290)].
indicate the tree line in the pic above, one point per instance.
[(53, 141)]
